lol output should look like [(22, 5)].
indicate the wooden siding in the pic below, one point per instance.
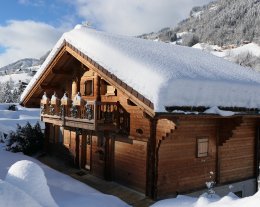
[(130, 164), (231, 152), (179, 170), (98, 162), (237, 154)]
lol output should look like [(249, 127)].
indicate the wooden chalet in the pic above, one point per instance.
[(94, 116)]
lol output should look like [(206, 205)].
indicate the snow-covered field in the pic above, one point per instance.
[(232, 54), (16, 77), (10, 119), (231, 200), (228, 53)]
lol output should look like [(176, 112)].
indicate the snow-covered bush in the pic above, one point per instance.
[(12, 107), (27, 139)]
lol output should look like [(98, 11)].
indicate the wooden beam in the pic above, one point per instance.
[(63, 75), (49, 87), (44, 74), (60, 72)]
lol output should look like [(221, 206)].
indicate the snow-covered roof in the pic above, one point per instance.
[(167, 75)]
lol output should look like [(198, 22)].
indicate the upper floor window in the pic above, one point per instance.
[(107, 89), (88, 90), (111, 91)]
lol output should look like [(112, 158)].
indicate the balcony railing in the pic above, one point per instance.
[(92, 115)]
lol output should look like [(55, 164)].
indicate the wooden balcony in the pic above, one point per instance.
[(89, 115)]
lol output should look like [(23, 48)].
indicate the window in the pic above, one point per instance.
[(88, 88), (66, 138), (111, 91), (202, 147)]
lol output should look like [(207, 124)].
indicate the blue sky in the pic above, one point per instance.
[(49, 11), (29, 28)]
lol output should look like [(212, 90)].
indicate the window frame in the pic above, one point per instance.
[(92, 87), (200, 152)]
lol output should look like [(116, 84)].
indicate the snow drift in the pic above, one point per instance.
[(30, 178)]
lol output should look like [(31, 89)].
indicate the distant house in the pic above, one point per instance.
[(159, 118)]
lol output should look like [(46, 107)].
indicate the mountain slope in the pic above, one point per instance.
[(225, 22), (220, 22), (22, 64), (220, 26)]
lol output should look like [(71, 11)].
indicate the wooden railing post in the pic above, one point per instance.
[(95, 115)]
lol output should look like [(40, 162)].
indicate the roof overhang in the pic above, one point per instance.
[(132, 94)]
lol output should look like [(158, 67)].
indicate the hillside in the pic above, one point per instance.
[(21, 70), (15, 76), (20, 65), (223, 24), (220, 22)]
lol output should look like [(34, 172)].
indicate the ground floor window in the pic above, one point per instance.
[(202, 146)]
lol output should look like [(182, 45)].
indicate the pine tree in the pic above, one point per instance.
[(26, 139)]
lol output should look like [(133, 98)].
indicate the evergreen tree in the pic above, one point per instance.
[(26, 139)]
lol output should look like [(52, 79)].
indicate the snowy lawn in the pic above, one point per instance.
[(25, 184), (205, 200), (10, 119)]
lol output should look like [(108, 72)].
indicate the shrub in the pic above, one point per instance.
[(12, 107), (26, 139)]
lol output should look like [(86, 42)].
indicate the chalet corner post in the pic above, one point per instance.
[(151, 185), (108, 158), (257, 154)]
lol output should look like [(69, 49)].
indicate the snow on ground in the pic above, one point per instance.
[(173, 74), (11, 196), (251, 48), (205, 200), (16, 77), (10, 119), (29, 177), (23, 183)]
